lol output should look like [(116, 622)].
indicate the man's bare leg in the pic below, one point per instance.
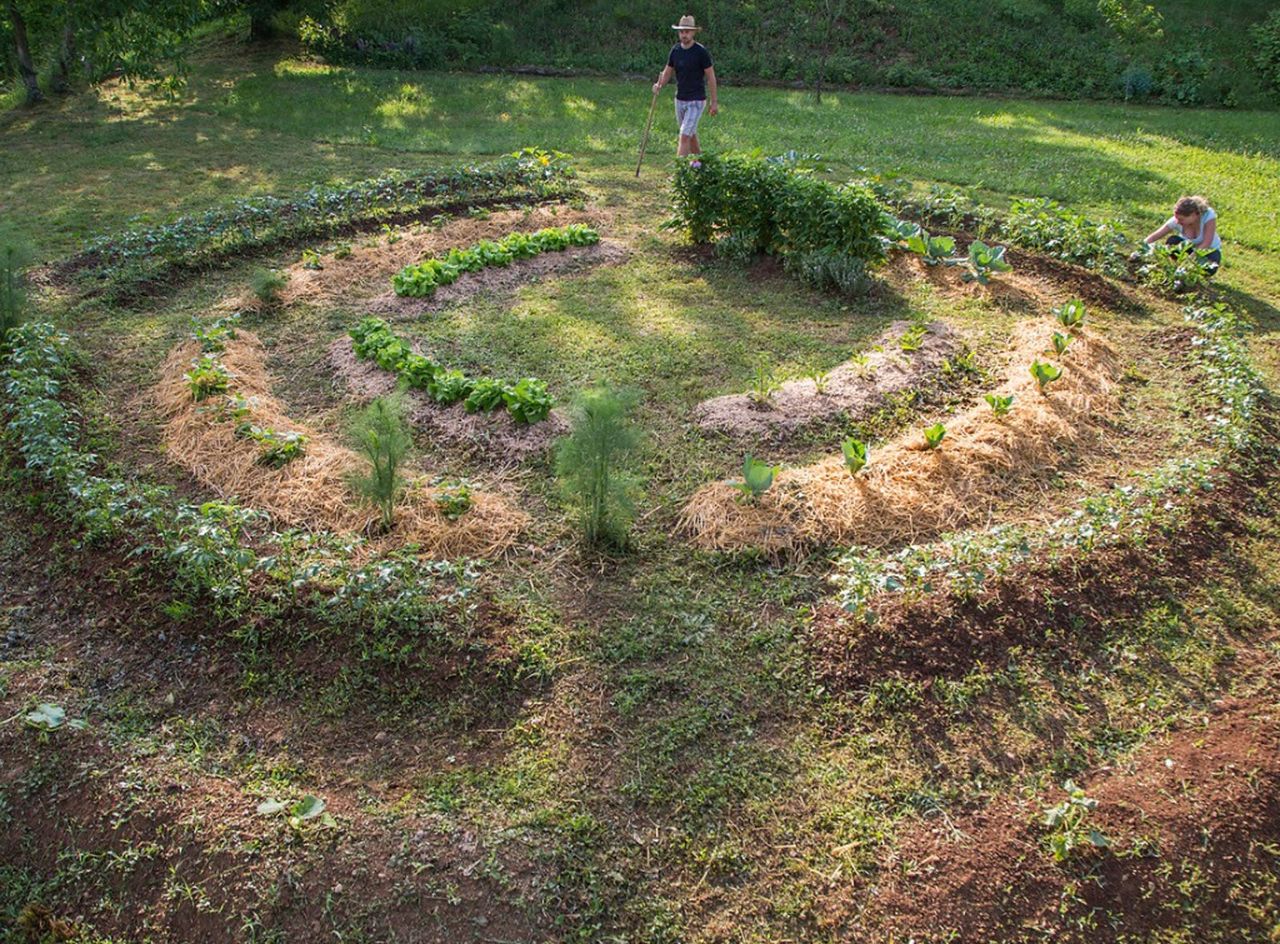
[(687, 142), (694, 147)]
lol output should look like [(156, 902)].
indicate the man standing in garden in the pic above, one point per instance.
[(690, 63)]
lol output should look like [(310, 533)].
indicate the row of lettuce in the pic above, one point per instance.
[(833, 235), (1127, 514)]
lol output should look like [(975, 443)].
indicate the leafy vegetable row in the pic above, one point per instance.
[(527, 400), (201, 239), (422, 278)]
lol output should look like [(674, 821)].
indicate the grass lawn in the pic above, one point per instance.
[(668, 767)]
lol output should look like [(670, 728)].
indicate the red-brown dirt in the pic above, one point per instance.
[(1193, 820)]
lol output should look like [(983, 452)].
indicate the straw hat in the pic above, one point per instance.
[(686, 22)]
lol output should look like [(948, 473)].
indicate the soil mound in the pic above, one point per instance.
[(907, 492), (495, 433), (311, 490), (851, 389)]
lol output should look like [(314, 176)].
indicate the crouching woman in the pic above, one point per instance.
[(1193, 226)]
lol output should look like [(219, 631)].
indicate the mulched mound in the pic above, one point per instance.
[(499, 279), (1192, 819), (852, 390), (495, 434), (946, 633), (907, 492)]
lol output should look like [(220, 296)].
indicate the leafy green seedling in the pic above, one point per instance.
[(1000, 405), (1070, 314), (933, 436), (1044, 374), (1066, 823), (984, 262), (913, 338), (764, 384), (855, 454), (310, 808), (311, 259), (819, 378), (757, 477), (1061, 342)]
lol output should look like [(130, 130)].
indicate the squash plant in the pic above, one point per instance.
[(1000, 405), (1044, 374), (933, 435), (855, 454), (757, 477)]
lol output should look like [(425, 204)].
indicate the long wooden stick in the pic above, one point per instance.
[(647, 125)]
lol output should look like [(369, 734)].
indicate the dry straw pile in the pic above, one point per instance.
[(907, 492), (312, 490)]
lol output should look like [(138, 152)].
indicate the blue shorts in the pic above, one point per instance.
[(687, 115)]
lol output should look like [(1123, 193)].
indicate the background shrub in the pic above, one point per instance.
[(13, 301), (826, 233), (1266, 51)]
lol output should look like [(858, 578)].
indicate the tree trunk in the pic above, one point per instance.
[(260, 13), (66, 54), (26, 68)]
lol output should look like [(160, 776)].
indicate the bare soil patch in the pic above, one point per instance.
[(494, 434), (852, 390), (1191, 818), (907, 492), (313, 489)]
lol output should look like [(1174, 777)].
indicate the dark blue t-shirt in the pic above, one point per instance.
[(690, 64)]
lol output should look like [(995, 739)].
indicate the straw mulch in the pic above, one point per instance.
[(312, 490), (906, 492)]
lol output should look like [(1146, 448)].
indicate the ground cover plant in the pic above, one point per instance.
[(656, 742)]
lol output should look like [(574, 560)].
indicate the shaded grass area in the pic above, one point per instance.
[(665, 766)]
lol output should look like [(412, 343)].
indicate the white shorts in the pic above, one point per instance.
[(687, 115)]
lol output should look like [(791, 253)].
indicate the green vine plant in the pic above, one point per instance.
[(1000, 404), (933, 435)]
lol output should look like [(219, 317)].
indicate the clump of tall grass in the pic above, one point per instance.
[(13, 298)]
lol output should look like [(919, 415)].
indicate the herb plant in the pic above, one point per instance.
[(381, 435), (1061, 342), (268, 284), (933, 435), (594, 464), (764, 384)]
